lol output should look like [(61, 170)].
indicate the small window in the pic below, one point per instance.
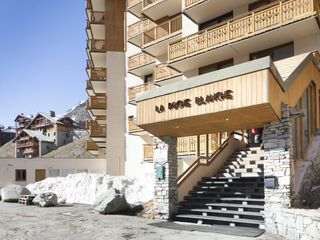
[(276, 53), (148, 78), (21, 175)]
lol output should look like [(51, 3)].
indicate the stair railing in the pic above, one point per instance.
[(206, 161)]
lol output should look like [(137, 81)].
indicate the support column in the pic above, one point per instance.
[(278, 164), (165, 189)]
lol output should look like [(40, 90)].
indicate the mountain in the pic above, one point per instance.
[(78, 113), (7, 150)]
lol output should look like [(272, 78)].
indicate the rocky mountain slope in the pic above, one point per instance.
[(7, 150), (78, 113)]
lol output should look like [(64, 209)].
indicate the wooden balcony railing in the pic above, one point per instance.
[(133, 125), (139, 60), (96, 17), (96, 45), (316, 54), (162, 72), (140, 27), (189, 3), (96, 130), (88, 85), (97, 102), (30, 151), (255, 22), (88, 4), (27, 144), (96, 73), (147, 152), (132, 91), (149, 3), (163, 30), (91, 146), (132, 3)]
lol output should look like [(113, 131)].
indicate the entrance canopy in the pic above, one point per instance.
[(239, 97)]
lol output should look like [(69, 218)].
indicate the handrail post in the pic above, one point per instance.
[(207, 146), (198, 146)]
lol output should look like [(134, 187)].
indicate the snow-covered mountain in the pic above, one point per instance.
[(78, 113)]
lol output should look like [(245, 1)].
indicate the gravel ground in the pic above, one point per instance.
[(18, 222)]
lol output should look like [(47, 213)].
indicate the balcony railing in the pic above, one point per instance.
[(163, 30), (96, 73), (88, 85), (189, 3), (96, 45), (148, 3), (162, 72), (140, 27), (132, 91), (88, 4), (96, 130), (132, 3), (261, 20), (96, 17), (147, 152), (30, 151), (316, 54), (133, 125), (139, 60), (27, 144), (97, 102), (91, 146)]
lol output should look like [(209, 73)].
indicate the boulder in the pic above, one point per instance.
[(12, 192), (111, 201), (47, 199)]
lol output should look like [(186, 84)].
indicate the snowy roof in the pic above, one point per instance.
[(39, 135), (8, 131)]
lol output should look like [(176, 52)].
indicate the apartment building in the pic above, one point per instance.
[(40, 135), (201, 79), (6, 135)]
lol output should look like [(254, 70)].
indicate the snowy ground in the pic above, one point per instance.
[(85, 187)]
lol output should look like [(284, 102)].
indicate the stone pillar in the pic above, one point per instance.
[(166, 189), (278, 160)]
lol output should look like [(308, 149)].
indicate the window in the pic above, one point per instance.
[(148, 78), (216, 66), (54, 172), (276, 53), (21, 175), (216, 20), (259, 4)]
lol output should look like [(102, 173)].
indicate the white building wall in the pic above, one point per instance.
[(307, 44)]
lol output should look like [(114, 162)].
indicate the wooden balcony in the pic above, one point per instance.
[(132, 91), (316, 54), (140, 60), (147, 152), (88, 5), (91, 146), (190, 3), (162, 72), (27, 144), (134, 7), (96, 73), (96, 130), (162, 31), (89, 89), (253, 23), (140, 27), (31, 151), (157, 9), (132, 3), (97, 102), (133, 128), (96, 17), (94, 45)]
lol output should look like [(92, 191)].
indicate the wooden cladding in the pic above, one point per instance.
[(140, 27), (139, 60), (132, 3), (95, 73), (147, 152), (261, 20), (97, 102), (248, 90), (96, 130), (162, 30), (91, 146), (132, 91), (162, 72), (95, 45), (96, 17), (133, 125)]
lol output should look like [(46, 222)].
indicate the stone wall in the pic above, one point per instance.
[(166, 189)]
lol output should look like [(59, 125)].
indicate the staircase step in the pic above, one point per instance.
[(224, 205), (221, 219), (227, 194), (213, 211), (255, 201), (233, 179), (242, 166), (232, 184), (244, 170)]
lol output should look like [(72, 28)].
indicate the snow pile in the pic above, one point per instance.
[(85, 187)]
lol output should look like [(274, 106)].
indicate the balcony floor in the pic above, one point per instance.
[(143, 70), (252, 44), (99, 86), (162, 9)]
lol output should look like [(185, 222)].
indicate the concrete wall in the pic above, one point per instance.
[(8, 167), (45, 147), (116, 128)]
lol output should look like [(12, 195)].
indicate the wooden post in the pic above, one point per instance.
[(207, 145), (198, 146)]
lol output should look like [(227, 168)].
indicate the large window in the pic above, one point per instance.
[(276, 53), (21, 175), (216, 20), (216, 66)]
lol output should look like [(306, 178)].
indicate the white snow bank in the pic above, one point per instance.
[(85, 187)]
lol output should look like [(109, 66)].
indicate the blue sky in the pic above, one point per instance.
[(42, 63)]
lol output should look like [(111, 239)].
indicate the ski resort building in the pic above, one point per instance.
[(218, 99), (42, 134), (6, 135)]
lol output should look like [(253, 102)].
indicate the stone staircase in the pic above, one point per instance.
[(234, 198)]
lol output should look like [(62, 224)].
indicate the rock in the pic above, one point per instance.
[(48, 199), (111, 201), (12, 192)]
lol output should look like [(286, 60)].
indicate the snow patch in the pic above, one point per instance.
[(85, 187)]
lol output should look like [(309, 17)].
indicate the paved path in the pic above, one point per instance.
[(18, 222)]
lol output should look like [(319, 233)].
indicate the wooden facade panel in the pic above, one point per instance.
[(115, 25), (243, 89)]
